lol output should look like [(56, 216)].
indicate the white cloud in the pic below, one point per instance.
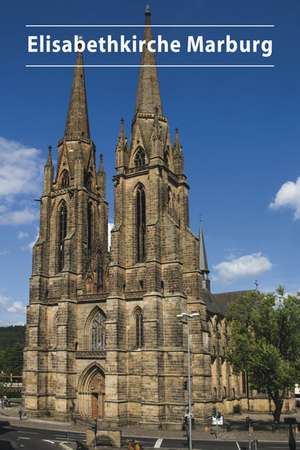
[(20, 177), (16, 307), (4, 252), (12, 312), (22, 235), (110, 227), (18, 217), (20, 168), (288, 196), (244, 266), (29, 246)]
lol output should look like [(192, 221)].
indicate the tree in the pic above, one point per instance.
[(12, 340), (264, 341), (11, 359)]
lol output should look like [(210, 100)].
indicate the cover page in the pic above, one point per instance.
[(149, 217)]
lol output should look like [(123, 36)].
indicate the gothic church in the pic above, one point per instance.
[(103, 338)]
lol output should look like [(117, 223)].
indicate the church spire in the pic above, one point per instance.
[(48, 171), (77, 125), (49, 162), (203, 264), (148, 95), (101, 177)]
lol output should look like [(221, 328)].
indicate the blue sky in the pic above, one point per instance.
[(240, 129)]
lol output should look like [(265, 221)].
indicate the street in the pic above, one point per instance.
[(20, 437)]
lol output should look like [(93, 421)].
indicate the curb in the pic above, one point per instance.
[(65, 446), (51, 422)]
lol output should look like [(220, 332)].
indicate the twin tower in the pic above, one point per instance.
[(103, 338)]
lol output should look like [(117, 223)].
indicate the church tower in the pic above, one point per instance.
[(154, 272), (70, 261)]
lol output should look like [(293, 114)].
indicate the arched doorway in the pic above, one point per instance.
[(97, 392), (92, 392)]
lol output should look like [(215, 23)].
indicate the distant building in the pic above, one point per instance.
[(103, 339)]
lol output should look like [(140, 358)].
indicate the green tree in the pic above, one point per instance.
[(11, 359), (264, 341)]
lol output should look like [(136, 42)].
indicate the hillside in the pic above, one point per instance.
[(9, 336)]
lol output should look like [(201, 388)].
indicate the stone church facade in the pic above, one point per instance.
[(103, 338)]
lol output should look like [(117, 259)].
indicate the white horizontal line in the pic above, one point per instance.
[(148, 65), (153, 26)]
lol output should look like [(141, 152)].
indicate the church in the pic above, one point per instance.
[(103, 338)]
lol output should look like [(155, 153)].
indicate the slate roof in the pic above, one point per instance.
[(219, 303)]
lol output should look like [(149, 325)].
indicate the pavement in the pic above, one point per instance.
[(38, 434)]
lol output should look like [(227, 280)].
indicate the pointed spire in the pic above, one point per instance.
[(202, 253), (178, 154), (122, 132), (101, 177), (101, 165), (48, 172), (77, 125), (148, 95), (203, 264), (177, 139), (49, 162)]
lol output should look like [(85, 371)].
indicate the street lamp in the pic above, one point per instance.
[(185, 318)]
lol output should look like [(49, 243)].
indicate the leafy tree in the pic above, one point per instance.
[(11, 349), (264, 341)]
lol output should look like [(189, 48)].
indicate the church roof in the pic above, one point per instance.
[(219, 303)]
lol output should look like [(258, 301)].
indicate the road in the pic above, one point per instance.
[(19, 437)]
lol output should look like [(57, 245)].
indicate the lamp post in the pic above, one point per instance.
[(185, 318)]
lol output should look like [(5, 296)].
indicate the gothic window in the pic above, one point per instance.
[(140, 159), (98, 332), (139, 328), (140, 223), (170, 200), (215, 393), (244, 382), (89, 229), (166, 157), (65, 180), (62, 233), (88, 181), (100, 276)]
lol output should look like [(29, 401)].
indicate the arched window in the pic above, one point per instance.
[(215, 393), (139, 328), (166, 157), (62, 233), (140, 158), (140, 223), (98, 332), (89, 229), (244, 382), (88, 181), (65, 179), (170, 201)]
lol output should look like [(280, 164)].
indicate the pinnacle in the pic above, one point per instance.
[(77, 125), (148, 94)]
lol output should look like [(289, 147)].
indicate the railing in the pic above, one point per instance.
[(90, 354)]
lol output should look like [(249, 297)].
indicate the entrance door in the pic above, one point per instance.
[(95, 405)]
